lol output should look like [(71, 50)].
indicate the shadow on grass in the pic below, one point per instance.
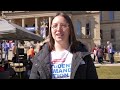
[(97, 66), (117, 61)]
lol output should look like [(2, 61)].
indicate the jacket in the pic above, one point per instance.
[(82, 65)]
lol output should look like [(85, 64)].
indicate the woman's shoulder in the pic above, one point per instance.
[(79, 46), (42, 53)]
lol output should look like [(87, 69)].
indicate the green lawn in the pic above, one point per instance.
[(108, 72)]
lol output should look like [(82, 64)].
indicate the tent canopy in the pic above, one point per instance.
[(11, 31)]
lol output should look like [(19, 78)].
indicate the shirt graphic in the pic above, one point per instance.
[(61, 64)]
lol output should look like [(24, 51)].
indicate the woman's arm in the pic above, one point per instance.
[(34, 71), (91, 72)]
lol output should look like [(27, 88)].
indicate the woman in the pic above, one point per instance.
[(63, 57)]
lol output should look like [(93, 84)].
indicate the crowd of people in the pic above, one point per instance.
[(100, 53), (9, 48), (5, 47)]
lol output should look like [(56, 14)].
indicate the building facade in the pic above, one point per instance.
[(86, 23), (110, 28)]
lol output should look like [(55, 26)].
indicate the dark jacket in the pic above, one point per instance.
[(82, 65)]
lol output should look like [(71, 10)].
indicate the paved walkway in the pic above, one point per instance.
[(107, 64)]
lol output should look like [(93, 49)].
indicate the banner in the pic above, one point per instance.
[(32, 29)]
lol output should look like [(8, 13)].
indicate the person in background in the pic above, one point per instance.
[(110, 52), (30, 53), (10, 44), (6, 50), (2, 69), (105, 52), (100, 54), (63, 57), (14, 55), (94, 52)]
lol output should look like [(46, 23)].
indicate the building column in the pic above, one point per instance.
[(36, 25), (50, 19), (23, 22), (96, 30)]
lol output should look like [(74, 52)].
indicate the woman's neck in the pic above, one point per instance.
[(61, 46)]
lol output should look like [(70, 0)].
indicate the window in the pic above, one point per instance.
[(78, 26), (0, 13), (101, 34), (26, 25), (87, 29), (111, 15), (101, 16), (114, 47), (112, 34)]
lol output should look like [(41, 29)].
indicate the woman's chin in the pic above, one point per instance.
[(59, 39)]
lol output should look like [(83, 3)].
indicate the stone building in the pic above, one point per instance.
[(86, 23), (110, 28)]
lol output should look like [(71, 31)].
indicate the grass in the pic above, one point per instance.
[(108, 72)]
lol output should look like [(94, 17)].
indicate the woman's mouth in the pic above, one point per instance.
[(59, 35)]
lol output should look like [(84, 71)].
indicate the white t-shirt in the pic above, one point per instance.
[(61, 64), (95, 52)]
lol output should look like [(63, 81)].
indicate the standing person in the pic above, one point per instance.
[(10, 44), (14, 56), (105, 52), (43, 30), (63, 57), (6, 50), (100, 54), (110, 52), (13, 50), (30, 53), (94, 52)]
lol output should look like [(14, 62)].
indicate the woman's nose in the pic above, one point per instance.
[(59, 27)]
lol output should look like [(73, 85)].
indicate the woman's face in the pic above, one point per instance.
[(60, 29)]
